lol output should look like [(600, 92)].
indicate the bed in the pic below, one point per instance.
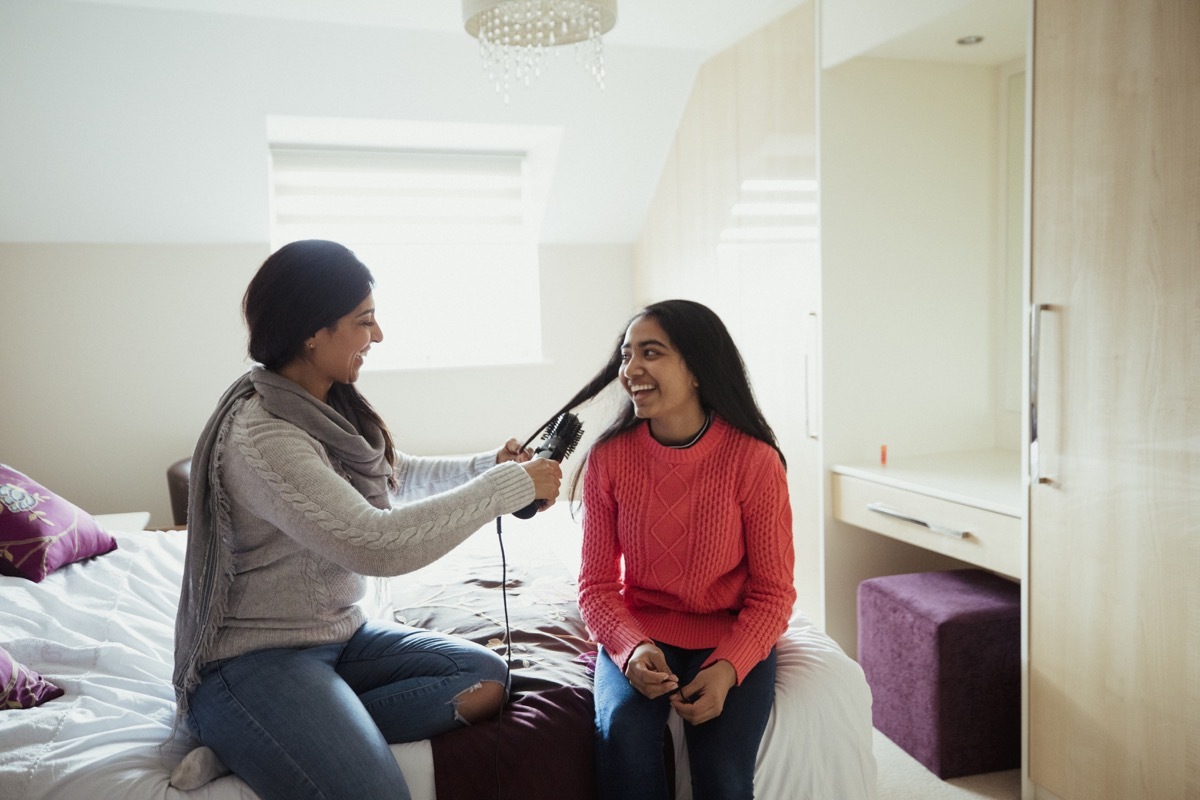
[(101, 629)]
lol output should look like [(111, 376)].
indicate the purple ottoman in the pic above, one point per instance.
[(942, 654)]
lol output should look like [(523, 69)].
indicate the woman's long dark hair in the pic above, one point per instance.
[(301, 288), (710, 354)]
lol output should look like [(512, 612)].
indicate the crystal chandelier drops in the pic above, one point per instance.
[(515, 36)]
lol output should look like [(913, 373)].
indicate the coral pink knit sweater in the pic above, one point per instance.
[(704, 536)]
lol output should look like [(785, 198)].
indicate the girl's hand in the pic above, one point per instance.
[(648, 672), (511, 451), (704, 698)]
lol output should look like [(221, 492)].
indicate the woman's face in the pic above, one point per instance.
[(337, 353), (656, 378)]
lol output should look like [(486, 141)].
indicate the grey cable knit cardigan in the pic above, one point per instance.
[(278, 550)]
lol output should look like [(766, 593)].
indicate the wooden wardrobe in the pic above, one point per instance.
[(1114, 517)]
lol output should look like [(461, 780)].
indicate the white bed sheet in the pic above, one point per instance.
[(103, 630), (818, 744)]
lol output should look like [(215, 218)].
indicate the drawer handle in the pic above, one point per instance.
[(888, 511)]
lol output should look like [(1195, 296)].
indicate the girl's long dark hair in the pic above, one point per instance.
[(710, 354), (301, 288)]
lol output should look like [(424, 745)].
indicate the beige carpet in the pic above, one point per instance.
[(901, 777)]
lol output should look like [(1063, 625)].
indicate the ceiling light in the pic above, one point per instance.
[(515, 35), (966, 40)]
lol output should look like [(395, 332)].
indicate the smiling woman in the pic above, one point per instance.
[(336, 354), (297, 494), (659, 383), (687, 559)]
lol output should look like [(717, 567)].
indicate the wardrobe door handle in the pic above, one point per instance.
[(810, 381), (888, 511), (1035, 352)]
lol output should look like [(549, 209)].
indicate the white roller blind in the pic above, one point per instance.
[(450, 237)]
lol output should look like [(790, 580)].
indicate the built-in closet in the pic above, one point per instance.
[(1003, 292)]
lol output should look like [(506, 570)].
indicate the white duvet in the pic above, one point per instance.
[(103, 630)]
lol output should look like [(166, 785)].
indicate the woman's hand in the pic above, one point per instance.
[(648, 672), (705, 696), (512, 451), (547, 475)]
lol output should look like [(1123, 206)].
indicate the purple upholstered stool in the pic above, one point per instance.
[(941, 652)]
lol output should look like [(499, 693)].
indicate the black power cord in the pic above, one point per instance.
[(507, 650)]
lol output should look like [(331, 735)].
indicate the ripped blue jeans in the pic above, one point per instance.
[(316, 722)]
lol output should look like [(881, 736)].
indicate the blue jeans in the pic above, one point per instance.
[(722, 752), (316, 722)]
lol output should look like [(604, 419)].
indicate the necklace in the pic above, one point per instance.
[(707, 421)]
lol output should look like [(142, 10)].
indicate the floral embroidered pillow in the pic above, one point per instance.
[(21, 687), (40, 531)]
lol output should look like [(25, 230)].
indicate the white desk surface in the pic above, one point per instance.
[(987, 479)]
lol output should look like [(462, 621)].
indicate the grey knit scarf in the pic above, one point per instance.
[(351, 442)]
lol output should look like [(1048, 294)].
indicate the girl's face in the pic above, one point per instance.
[(658, 381), (336, 354)]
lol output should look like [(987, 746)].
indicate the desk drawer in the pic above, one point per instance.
[(989, 540)]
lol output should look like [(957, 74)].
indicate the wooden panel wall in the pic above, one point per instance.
[(752, 116)]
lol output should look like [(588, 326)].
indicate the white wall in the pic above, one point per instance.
[(134, 210), (131, 125), (114, 355), (910, 227), (909, 235), (852, 28)]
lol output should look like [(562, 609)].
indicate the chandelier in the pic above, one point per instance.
[(516, 35)]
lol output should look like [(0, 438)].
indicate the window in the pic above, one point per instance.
[(449, 233)]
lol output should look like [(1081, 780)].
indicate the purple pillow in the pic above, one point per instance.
[(21, 687), (40, 531)]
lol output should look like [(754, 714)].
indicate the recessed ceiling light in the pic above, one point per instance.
[(970, 40)]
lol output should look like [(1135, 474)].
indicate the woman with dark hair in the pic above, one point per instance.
[(297, 493), (686, 575)]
